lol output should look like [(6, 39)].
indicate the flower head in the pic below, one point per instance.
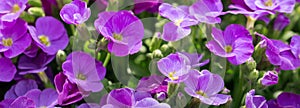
[(75, 12), (146, 5), (7, 70), (269, 78), (286, 99), (152, 84), (206, 86), (235, 43), (14, 41), (255, 101), (43, 99), (49, 34), (281, 22), (11, 9), (284, 6), (295, 46), (123, 30), (20, 89), (85, 71)]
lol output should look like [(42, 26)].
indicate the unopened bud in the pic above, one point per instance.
[(157, 54), (60, 56), (161, 96), (36, 11), (254, 74), (251, 64)]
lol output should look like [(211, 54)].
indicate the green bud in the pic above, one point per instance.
[(254, 75), (36, 11), (251, 64), (60, 56), (27, 17), (157, 54), (35, 3)]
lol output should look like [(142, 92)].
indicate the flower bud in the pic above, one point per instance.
[(161, 96), (254, 74), (36, 11), (251, 64), (60, 56), (157, 54)]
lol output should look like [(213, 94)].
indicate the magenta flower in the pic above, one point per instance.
[(255, 101), (75, 12), (207, 11), (269, 78), (235, 43), (146, 5), (11, 9), (127, 98), (7, 70), (123, 30), (68, 92), (175, 66), (288, 100), (43, 99), (14, 41), (281, 22), (20, 89), (206, 86), (284, 6), (295, 46), (49, 34), (152, 84), (82, 69), (178, 28)]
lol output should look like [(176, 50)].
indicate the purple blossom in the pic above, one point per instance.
[(175, 66), (7, 69), (235, 43), (206, 86), (75, 12), (284, 6), (89, 105), (32, 50), (207, 11), (195, 59), (281, 22), (11, 9), (146, 5), (43, 99), (126, 98), (34, 65), (178, 28), (280, 54), (14, 41), (82, 69), (123, 30), (152, 84), (49, 34), (269, 78), (68, 92), (20, 89), (255, 101), (295, 46), (288, 100), (20, 102)]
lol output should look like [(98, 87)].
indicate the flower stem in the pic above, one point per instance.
[(106, 60), (238, 89)]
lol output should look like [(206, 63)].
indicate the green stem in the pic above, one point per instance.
[(106, 60), (238, 89)]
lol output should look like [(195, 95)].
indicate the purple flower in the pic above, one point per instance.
[(295, 46), (68, 92), (20, 102), (175, 66), (178, 28), (146, 5), (207, 11), (152, 84), (11, 9), (195, 59), (126, 98), (43, 99), (7, 69), (281, 22), (20, 89), (48, 6), (123, 30), (14, 41), (89, 105), (75, 12), (235, 43), (288, 100), (273, 104), (32, 50), (49, 34), (269, 78), (206, 86), (34, 65), (280, 54), (82, 69), (255, 101), (285, 6)]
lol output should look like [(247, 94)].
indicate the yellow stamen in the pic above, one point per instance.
[(118, 37), (172, 77), (7, 42), (200, 92), (81, 76), (15, 8), (45, 40), (178, 22), (269, 3), (228, 49)]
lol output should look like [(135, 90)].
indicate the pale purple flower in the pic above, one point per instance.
[(43, 99), (284, 6), (7, 69), (82, 69), (75, 12), (11, 9), (295, 46), (20, 102), (152, 84), (288, 100), (196, 59), (206, 86), (207, 11), (235, 43), (49, 34), (281, 22), (123, 30), (14, 42), (146, 5), (20, 89), (255, 101), (126, 98), (68, 92), (175, 66), (269, 78), (178, 28)]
